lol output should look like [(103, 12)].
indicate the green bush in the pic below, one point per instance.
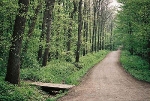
[(57, 71), (136, 66), (29, 61)]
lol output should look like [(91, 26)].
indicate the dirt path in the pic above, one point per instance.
[(108, 81)]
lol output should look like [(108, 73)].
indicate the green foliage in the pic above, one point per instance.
[(68, 56), (133, 23), (136, 66), (29, 61), (56, 72), (25, 92), (7, 17), (61, 71)]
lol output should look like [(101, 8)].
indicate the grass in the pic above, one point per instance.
[(24, 92), (63, 72), (136, 66), (87, 63), (57, 71)]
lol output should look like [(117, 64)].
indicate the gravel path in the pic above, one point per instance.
[(108, 81)]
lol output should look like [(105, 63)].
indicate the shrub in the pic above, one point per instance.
[(136, 66)]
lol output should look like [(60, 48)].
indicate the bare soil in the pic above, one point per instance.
[(108, 81)]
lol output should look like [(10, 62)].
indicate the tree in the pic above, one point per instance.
[(70, 26), (42, 34), (85, 32), (49, 10), (133, 27), (79, 31), (13, 68)]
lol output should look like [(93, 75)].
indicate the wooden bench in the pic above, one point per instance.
[(52, 86)]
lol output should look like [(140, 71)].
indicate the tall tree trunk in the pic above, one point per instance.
[(98, 32), (111, 36), (131, 41), (149, 53), (94, 27), (70, 29), (49, 10), (79, 31), (87, 32), (39, 58), (13, 67), (85, 28)]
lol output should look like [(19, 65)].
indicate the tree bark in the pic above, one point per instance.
[(111, 36), (149, 52), (94, 28), (42, 35), (85, 28), (79, 31), (13, 67), (49, 10), (70, 30), (131, 43)]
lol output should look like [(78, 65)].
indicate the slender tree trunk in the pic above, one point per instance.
[(13, 67), (87, 25), (87, 32), (94, 30), (70, 29), (57, 45), (98, 32), (49, 10), (85, 28), (39, 58), (90, 25), (79, 31), (131, 41), (149, 54), (95, 39), (111, 36)]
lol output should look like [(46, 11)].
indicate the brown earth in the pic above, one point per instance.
[(108, 81)]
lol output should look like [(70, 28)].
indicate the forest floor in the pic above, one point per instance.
[(108, 81)]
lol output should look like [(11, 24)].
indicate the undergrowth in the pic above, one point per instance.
[(24, 92), (136, 66), (61, 71), (57, 71)]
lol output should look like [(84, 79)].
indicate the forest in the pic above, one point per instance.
[(58, 41), (133, 30)]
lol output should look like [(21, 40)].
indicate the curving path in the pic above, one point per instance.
[(108, 81)]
